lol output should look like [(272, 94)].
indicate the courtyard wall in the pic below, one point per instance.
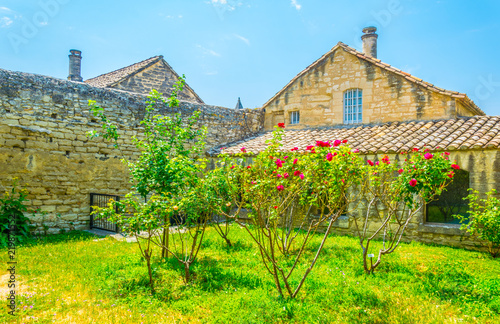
[(43, 142)]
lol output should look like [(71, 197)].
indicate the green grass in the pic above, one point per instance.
[(71, 278)]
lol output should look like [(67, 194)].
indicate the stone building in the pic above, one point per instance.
[(347, 94), (345, 86)]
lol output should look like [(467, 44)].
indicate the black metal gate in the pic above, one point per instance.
[(101, 200)]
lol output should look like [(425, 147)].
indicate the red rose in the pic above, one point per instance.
[(455, 166), (280, 188), (281, 125), (370, 162), (323, 144), (413, 182)]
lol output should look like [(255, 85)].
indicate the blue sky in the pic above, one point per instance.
[(252, 48)]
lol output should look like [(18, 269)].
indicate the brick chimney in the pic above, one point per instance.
[(370, 41), (75, 65)]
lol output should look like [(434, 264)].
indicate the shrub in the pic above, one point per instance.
[(12, 208), (165, 178), (394, 194), (483, 220), (290, 196)]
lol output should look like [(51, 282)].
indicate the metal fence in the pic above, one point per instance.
[(101, 200)]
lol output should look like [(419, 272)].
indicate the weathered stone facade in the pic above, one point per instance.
[(388, 94), (153, 73), (159, 76), (43, 126)]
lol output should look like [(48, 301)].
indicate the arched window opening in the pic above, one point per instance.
[(450, 202)]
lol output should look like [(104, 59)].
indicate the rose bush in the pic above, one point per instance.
[(394, 193), (289, 195)]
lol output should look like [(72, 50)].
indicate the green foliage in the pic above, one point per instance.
[(12, 207), (166, 178), (287, 193), (483, 220)]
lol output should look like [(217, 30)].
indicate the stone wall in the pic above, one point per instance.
[(318, 95), (43, 143)]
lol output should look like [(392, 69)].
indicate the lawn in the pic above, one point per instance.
[(74, 278)]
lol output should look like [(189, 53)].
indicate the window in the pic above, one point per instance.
[(294, 117), (450, 202), (353, 106)]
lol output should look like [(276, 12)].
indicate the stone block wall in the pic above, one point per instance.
[(43, 143)]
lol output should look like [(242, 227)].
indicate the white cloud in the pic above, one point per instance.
[(243, 39), (5, 22), (226, 5), (5, 9), (296, 4), (170, 16), (208, 51)]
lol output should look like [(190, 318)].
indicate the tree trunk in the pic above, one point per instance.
[(186, 272), (148, 261), (164, 251)]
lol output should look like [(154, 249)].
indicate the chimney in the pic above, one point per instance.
[(370, 41), (75, 65)]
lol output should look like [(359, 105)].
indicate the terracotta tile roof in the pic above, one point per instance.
[(480, 132), (460, 96), (108, 79)]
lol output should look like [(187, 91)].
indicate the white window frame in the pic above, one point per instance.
[(294, 117), (353, 106)]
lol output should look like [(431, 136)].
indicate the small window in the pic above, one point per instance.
[(450, 202), (353, 106), (294, 117)]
